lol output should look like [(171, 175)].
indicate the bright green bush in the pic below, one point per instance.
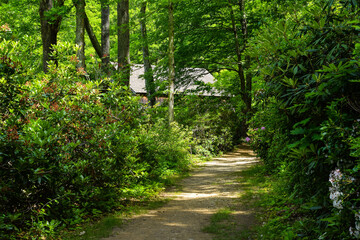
[(70, 150), (164, 148)]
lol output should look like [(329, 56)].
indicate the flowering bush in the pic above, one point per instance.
[(355, 232), (71, 150), (309, 105), (268, 135), (336, 195), (62, 149), (341, 194)]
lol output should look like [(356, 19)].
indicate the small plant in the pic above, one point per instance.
[(220, 222)]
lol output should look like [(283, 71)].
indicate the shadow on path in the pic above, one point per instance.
[(210, 188)]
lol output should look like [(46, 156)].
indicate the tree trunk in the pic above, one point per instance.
[(94, 40), (49, 29), (238, 54), (105, 34), (245, 80), (148, 73), (248, 86), (123, 40), (171, 62), (92, 37), (80, 31)]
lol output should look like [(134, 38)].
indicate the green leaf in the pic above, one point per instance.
[(316, 137), (312, 50), (315, 208), (303, 122), (298, 131)]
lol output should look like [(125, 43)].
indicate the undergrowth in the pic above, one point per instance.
[(279, 216), (103, 226), (72, 151)]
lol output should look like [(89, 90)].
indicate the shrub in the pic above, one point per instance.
[(212, 121), (164, 148), (71, 150), (310, 100)]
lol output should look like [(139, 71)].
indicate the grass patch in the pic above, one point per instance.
[(279, 215), (225, 226), (94, 230), (219, 222)]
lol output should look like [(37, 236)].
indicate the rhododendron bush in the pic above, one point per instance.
[(70, 149), (309, 104)]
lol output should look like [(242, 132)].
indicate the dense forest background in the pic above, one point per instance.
[(76, 143)]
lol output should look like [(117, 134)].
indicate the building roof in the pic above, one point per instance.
[(191, 81)]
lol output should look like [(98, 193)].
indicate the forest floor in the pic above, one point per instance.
[(211, 188)]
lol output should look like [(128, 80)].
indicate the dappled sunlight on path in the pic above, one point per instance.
[(211, 187)]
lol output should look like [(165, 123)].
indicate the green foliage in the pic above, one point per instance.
[(212, 121), (279, 216), (165, 149), (70, 150), (20, 17), (308, 104), (268, 134)]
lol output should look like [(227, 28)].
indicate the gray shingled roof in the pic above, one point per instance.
[(190, 79)]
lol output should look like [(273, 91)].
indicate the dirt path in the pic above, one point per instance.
[(211, 187)]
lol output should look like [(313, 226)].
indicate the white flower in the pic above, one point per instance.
[(335, 193), (354, 233), (357, 221), (335, 175)]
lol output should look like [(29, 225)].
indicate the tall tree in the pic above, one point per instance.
[(105, 34), (80, 31), (248, 78), (50, 21), (243, 63), (148, 73), (238, 51), (123, 40), (171, 62), (92, 36)]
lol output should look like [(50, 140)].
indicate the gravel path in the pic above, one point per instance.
[(211, 187)]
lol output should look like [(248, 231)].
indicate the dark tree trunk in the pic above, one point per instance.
[(49, 29), (238, 54), (94, 40), (123, 40), (244, 30), (148, 73), (92, 37), (245, 80), (171, 62), (80, 31), (105, 34)]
